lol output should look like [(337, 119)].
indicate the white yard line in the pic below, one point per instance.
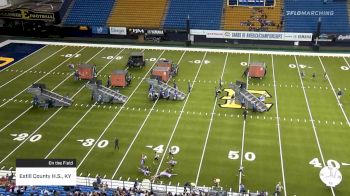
[(278, 126), (189, 49), (9, 154), (8, 124), (65, 136), (40, 78), (116, 115), (143, 124), (181, 112), (81, 118), (335, 94), (54, 114), (311, 117), (23, 58), (32, 67), (209, 127), (243, 135), (346, 61)]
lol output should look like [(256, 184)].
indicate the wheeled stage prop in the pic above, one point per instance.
[(102, 94), (45, 98)]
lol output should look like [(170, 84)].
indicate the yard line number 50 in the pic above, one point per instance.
[(249, 156)]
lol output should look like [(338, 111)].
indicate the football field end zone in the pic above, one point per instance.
[(188, 49), (2, 44)]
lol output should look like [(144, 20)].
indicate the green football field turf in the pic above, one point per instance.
[(306, 128)]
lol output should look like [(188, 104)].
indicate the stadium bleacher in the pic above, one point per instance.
[(89, 12), (302, 16), (243, 18), (138, 13), (204, 14)]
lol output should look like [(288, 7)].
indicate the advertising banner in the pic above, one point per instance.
[(117, 30), (279, 36), (155, 32), (136, 31), (99, 30), (25, 14), (343, 38)]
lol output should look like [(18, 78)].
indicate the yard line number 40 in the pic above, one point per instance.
[(316, 163)]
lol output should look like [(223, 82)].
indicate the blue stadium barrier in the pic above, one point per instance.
[(90, 12), (302, 16), (204, 14)]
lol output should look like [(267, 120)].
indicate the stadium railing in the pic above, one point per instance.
[(148, 185)]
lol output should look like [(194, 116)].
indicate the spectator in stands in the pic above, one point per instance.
[(187, 185), (98, 180), (95, 185)]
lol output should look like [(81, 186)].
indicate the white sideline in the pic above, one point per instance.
[(4, 43), (36, 130), (210, 123), (335, 94), (186, 49), (81, 118), (32, 67), (181, 112), (143, 124), (278, 126), (311, 117), (8, 42), (243, 136), (40, 78), (116, 115)]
